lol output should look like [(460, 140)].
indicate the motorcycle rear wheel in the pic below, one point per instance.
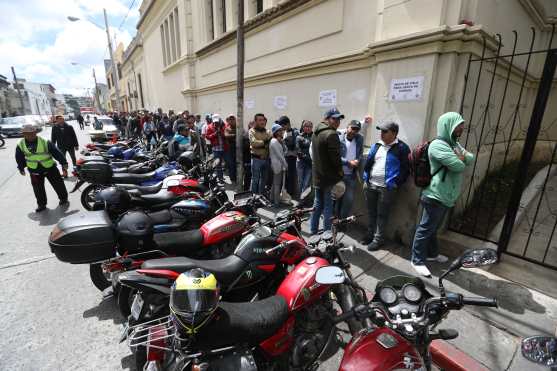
[(2, 142), (98, 277), (88, 195)]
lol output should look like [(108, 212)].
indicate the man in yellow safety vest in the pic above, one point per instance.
[(37, 155)]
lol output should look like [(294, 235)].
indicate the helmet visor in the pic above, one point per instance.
[(185, 302)]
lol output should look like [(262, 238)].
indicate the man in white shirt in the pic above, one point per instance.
[(385, 170)]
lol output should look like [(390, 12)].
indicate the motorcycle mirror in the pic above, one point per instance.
[(540, 349), (478, 258), (330, 275)]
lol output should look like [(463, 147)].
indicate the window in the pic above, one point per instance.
[(210, 31), (130, 94), (259, 6), (165, 62), (119, 67), (140, 89), (223, 9), (170, 38)]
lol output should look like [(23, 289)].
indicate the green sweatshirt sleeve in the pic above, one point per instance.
[(444, 155)]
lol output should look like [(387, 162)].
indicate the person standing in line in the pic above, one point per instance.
[(165, 128), (230, 154), (279, 166), (303, 166), (290, 135), (259, 139), (149, 131), (448, 160), (117, 123), (64, 138), (386, 169), (208, 121), (37, 155), (351, 149), (215, 134), (80, 121), (247, 157), (327, 169)]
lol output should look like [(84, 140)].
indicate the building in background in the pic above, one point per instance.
[(118, 60), (10, 103), (132, 69), (103, 97)]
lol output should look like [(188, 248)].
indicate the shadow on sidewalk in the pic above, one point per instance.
[(50, 216), (105, 310)]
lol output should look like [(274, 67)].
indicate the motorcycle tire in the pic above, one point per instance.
[(2, 142), (140, 357), (347, 300), (88, 196), (125, 300), (98, 278)]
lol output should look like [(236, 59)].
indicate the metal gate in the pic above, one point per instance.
[(509, 195)]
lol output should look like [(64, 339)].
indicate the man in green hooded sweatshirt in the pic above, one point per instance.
[(446, 154)]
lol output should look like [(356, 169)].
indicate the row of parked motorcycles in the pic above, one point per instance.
[(282, 293)]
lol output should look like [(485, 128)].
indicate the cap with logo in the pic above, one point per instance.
[(334, 113), (355, 124)]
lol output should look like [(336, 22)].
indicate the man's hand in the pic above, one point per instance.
[(22, 172), (353, 163), (368, 120)]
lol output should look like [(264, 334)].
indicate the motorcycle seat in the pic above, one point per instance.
[(178, 242), (162, 196), (130, 178), (226, 270), (243, 323), (141, 190)]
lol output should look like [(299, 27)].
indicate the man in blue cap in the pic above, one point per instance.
[(327, 167)]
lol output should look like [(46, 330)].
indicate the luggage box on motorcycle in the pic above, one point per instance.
[(134, 232), (96, 172), (83, 238)]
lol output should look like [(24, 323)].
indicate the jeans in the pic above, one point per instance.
[(304, 175), (230, 159), (425, 240), (291, 176), (277, 187), (379, 202), (247, 176), (344, 205), (220, 155), (258, 175), (322, 204)]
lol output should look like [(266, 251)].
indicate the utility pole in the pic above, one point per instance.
[(16, 84), (240, 98), (114, 70), (97, 100)]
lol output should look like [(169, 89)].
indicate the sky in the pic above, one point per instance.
[(38, 40)]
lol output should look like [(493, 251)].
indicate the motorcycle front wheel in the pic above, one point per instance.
[(88, 196), (98, 277), (2, 142)]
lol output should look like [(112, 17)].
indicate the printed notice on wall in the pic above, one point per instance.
[(249, 103), (327, 98), (407, 89), (280, 102)]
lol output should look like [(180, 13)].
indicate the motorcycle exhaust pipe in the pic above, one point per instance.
[(78, 184)]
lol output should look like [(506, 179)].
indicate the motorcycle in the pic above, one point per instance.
[(2, 141), (541, 350), (400, 319)]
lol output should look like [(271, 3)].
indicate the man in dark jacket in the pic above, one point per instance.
[(80, 121), (63, 136), (37, 155), (327, 167)]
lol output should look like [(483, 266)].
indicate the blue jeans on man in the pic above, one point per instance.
[(230, 159), (425, 243), (344, 205), (258, 175), (220, 155), (322, 204), (379, 202), (304, 174)]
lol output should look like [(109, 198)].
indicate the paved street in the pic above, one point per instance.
[(54, 319)]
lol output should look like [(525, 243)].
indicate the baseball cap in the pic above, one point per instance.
[(28, 128), (283, 120), (334, 113), (388, 125), (355, 124), (275, 128)]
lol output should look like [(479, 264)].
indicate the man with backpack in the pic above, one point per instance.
[(386, 169), (447, 161)]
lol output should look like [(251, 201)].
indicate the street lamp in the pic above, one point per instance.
[(97, 100), (114, 71)]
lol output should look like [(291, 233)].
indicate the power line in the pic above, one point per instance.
[(126, 17)]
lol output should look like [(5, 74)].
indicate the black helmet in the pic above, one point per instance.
[(114, 200), (187, 160), (194, 297)]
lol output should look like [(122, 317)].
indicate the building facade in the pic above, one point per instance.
[(404, 61)]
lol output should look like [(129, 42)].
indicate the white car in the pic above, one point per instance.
[(108, 131)]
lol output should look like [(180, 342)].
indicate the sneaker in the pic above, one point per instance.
[(439, 259), (374, 246), (64, 203), (40, 208), (366, 241), (422, 270)]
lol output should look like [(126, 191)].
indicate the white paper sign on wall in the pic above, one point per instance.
[(327, 98), (410, 88), (249, 103), (280, 102)]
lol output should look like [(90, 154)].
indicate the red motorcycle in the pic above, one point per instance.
[(287, 331), (400, 319)]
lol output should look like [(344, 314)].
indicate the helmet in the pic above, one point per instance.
[(187, 160), (194, 297), (114, 200), (115, 151)]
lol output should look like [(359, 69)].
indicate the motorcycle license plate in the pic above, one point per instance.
[(137, 306)]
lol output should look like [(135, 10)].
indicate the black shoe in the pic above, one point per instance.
[(374, 246), (64, 203), (366, 241), (40, 208)]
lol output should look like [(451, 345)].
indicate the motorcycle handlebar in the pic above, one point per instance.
[(478, 301)]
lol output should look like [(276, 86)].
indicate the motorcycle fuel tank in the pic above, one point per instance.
[(380, 349), (223, 226), (190, 209)]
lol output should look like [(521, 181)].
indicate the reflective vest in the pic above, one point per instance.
[(41, 156)]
